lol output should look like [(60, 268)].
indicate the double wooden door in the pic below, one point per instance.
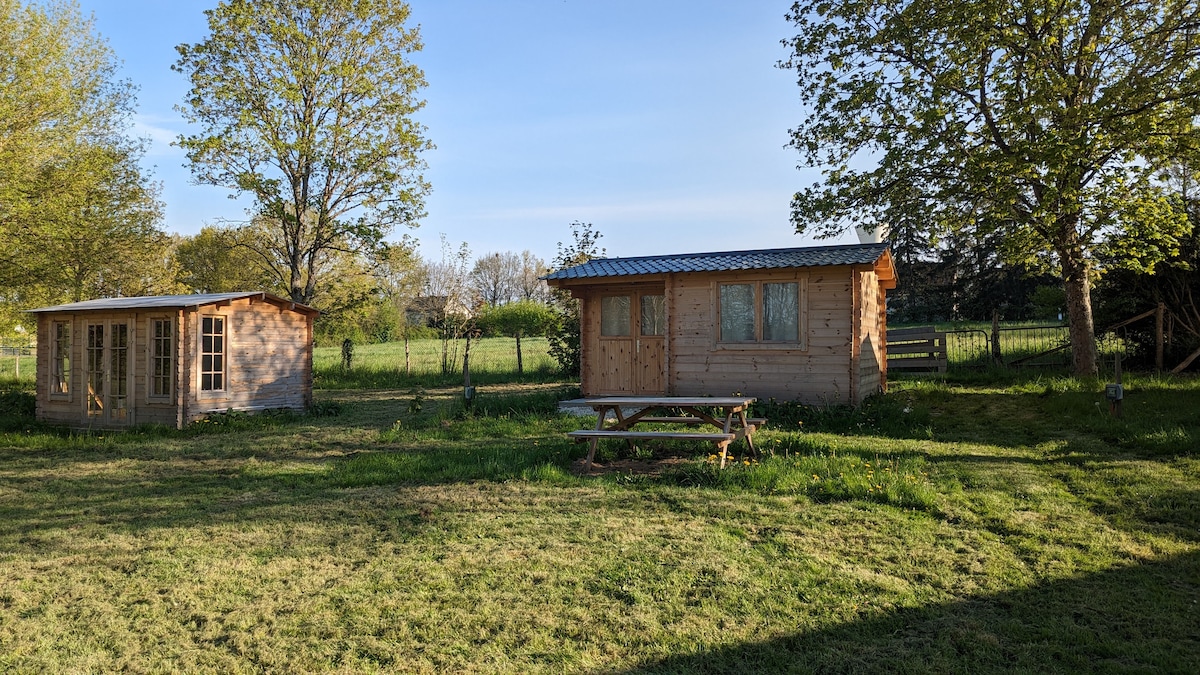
[(632, 349)]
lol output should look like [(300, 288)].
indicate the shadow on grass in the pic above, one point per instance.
[(1157, 422), (1141, 618)]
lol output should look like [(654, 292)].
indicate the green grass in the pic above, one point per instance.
[(982, 526), (382, 366)]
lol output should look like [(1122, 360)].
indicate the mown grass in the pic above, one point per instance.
[(982, 527)]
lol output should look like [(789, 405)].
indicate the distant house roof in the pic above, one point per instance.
[(172, 302), (727, 261)]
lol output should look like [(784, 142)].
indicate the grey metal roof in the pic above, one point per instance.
[(725, 261), (164, 302)]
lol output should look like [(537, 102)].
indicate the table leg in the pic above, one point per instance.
[(725, 444), (749, 434), (601, 415)]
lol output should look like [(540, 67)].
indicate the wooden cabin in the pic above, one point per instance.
[(171, 359), (796, 324)]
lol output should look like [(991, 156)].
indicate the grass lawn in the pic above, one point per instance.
[(977, 527)]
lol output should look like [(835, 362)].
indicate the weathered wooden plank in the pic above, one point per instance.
[(923, 347), (649, 435), (918, 332), (917, 364)]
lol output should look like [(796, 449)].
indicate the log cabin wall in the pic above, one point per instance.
[(817, 373), (871, 336), (268, 359), (132, 389)]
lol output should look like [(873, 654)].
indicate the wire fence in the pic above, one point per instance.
[(1044, 346), (16, 358)]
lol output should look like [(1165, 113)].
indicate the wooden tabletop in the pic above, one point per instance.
[(670, 401)]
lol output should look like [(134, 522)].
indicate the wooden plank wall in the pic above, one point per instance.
[(872, 341), (268, 359), (71, 409), (922, 348), (820, 374)]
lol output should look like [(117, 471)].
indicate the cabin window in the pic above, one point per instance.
[(781, 312), (614, 316), (162, 357), (60, 358), (212, 353), (654, 315), (763, 313), (737, 312)]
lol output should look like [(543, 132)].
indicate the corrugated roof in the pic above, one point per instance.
[(165, 302), (725, 261)]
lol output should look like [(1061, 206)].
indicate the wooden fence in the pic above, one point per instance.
[(917, 349)]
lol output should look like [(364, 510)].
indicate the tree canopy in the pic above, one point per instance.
[(307, 106), (1044, 123), (78, 217)]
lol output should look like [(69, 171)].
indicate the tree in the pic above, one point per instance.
[(217, 260), (447, 296), (1125, 293), (496, 278), (97, 233), (519, 319), (531, 285), (400, 273), (1041, 122), (307, 106), (565, 338), (78, 217)]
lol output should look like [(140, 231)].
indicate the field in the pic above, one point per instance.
[(986, 526)]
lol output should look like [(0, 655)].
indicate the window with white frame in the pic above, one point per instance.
[(212, 353), (162, 357), (763, 313), (60, 358)]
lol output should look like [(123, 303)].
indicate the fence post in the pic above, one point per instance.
[(997, 357), (1158, 337)]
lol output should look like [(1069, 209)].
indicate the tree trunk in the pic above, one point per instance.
[(1082, 330)]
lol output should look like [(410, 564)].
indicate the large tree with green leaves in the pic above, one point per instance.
[(78, 216), (307, 106), (1043, 121)]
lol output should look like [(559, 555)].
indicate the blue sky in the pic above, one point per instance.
[(661, 122)]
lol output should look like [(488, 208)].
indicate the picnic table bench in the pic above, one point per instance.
[(729, 416)]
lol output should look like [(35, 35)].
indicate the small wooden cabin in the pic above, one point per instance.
[(796, 324), (171, 359)]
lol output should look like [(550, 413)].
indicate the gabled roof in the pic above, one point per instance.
[(729, 261), (173, 302)]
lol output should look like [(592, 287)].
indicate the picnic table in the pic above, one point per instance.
[(728, 414)]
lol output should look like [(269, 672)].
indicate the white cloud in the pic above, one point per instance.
[(157, 130)]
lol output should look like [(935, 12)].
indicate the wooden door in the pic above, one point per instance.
[(106, 352), (650, 357), (631, 353)]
